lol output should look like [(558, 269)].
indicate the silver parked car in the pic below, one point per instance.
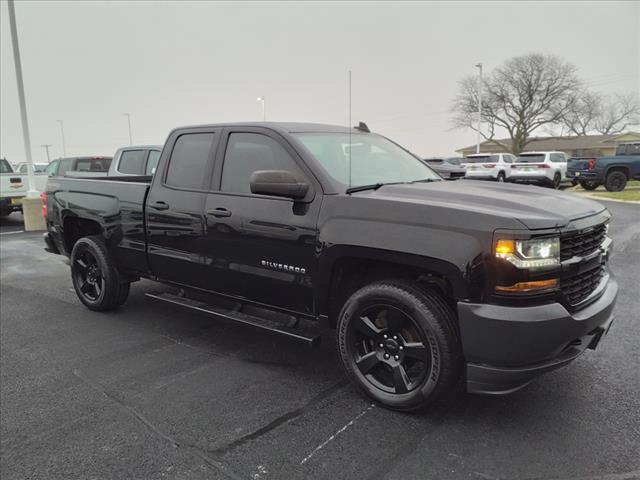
[(449, 168)]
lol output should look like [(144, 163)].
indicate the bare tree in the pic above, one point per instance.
[(580, 120), (617, 114), (596, 113), (524, 94)]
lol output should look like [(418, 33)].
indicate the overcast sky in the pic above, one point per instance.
[(180, 63)]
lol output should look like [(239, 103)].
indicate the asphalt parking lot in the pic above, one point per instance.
[(150, 391)]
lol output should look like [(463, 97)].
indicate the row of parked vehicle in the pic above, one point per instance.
[(548, 168), (133, 160)]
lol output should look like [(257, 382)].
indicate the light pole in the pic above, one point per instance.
[(128, 115), (479, 66), (23, 105), (263, 101), (46, 147), (64, 145)]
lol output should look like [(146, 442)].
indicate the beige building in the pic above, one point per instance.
[(597, 145)]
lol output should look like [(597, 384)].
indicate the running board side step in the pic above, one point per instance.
[(292, 327)]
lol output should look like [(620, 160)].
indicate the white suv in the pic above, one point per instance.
[(488, 166), (548, 168)]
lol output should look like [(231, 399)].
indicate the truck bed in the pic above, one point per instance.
[(115, 205)]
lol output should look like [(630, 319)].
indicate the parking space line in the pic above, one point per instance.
[(332, 437), (10, 233)]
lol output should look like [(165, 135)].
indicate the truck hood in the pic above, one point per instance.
[(534, 207)]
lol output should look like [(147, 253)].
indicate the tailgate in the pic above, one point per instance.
[(12, 185)]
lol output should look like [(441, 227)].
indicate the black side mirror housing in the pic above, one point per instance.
[(279, 183)]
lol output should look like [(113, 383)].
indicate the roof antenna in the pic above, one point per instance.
[(363, 127), (349, 128)]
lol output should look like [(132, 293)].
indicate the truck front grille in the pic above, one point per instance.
[(581, 244), (576, 289)]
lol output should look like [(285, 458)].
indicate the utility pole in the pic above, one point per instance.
[(64, 145), (128, 115), (23, 104), (263, 101), (46, 147), (479, 66)]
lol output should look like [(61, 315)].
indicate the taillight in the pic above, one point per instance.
[(488, 165), (592, 163), (545, 165), (43, 196)]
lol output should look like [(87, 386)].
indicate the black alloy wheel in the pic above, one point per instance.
[(615, 181), (589, 184), (88, 276), (96, 280), (399, 343), (501, 177), (557, 179), (388, 349)]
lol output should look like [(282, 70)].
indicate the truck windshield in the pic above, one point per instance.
[(373, 158), (533, 158)]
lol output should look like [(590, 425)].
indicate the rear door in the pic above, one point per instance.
[(559, 163), (176, 242), (261, 247)]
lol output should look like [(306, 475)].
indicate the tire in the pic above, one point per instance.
[(418, 361), (615, 181), (557, 179), (501, 177), (589, 184), (95, 279)]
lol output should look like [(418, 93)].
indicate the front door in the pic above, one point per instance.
[(262, 247), (176, 246)]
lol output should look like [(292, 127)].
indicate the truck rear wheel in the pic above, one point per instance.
[(95, 279), (615, 181), (589, 184), (399, 344)]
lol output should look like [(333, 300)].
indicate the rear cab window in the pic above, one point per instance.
[(152, 162), (132, 162), (5, 166)]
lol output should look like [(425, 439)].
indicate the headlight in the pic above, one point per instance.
[(534, 253)]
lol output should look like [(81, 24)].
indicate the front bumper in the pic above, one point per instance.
[(508, 347)]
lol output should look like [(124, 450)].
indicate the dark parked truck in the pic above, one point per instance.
[(612, 172), (288, 226)]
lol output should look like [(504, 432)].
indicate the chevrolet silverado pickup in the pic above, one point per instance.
[(612, 172), (287, 226)]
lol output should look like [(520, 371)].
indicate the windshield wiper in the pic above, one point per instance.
[(373, 186), (427, 180)]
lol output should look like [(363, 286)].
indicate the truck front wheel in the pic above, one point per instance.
[(95, 279), (398, 342)]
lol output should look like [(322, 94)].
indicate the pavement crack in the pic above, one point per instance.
[(282, 420), (195, 451)]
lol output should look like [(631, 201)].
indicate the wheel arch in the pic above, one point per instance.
[(349, 268), (75, 227)]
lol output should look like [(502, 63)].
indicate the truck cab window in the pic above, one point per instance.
[(249, 152), (132, 161), (188, 161)]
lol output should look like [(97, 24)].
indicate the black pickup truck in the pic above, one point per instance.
[(287, 227)]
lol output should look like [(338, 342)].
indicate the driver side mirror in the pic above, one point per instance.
[(279, 183)]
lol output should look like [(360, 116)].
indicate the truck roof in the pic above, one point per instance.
[(287, 127)]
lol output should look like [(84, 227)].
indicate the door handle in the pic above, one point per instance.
[(160, 205), (219, 212)]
